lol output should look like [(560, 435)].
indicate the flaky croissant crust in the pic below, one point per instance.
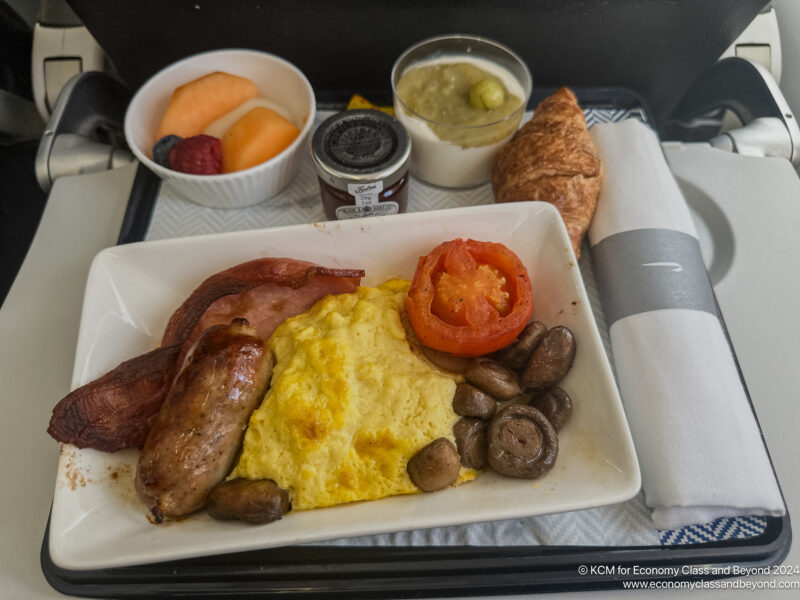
[(552, 158)]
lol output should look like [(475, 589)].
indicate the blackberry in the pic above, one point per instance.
[(162, 148)]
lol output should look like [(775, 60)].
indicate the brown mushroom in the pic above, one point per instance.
[(522, 442), (469, 401), (471, 441), (252, 501), (551, 360), (493, 378), (448, 362), (435, 466), (555, 404), (517, 354)]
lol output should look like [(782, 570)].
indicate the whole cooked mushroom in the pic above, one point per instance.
[(469, 401), (471, 441), (522, 442), (517, 354), (555, 404), (436, 466), (252, 501), (551, 360), (493, 378)]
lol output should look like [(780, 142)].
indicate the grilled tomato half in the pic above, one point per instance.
[(469, 298)]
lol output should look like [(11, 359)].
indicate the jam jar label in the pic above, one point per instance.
[(367, 210), (365, 193)]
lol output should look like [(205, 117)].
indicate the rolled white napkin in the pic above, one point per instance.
[(700, 449)]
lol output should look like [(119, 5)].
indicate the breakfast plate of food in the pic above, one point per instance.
[(314, 382)]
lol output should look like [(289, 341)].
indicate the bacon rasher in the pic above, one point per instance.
[(116, 410)]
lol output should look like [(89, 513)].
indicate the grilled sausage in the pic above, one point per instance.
[(199, 430)]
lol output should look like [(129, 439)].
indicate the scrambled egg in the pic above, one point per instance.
[(349, 404)]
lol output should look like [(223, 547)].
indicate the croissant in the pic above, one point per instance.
[(552, 158)]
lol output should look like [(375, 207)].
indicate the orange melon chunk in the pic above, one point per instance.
[(257, 136), (197, 104)]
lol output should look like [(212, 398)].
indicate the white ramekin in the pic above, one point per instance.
[(278, 81), (443, 163)]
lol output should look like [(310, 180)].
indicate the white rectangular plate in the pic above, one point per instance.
[(98, 521)]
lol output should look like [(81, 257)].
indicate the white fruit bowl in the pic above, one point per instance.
[(278, 81)]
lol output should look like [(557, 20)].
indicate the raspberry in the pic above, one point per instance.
[(199, 155), (162, 148)]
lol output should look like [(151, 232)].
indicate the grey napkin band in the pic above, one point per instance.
[(651, 269)]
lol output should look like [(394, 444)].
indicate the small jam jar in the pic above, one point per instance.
[(362, 157)]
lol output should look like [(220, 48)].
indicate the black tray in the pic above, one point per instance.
[(413, 572)]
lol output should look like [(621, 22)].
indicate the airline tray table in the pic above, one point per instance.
[(582, 550)]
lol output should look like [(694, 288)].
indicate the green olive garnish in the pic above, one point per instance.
[(486, 94)]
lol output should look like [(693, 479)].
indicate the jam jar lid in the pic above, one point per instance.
[(359, 146)]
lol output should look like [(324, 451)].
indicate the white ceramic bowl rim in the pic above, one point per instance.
[(150, 163), (478, 39)]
